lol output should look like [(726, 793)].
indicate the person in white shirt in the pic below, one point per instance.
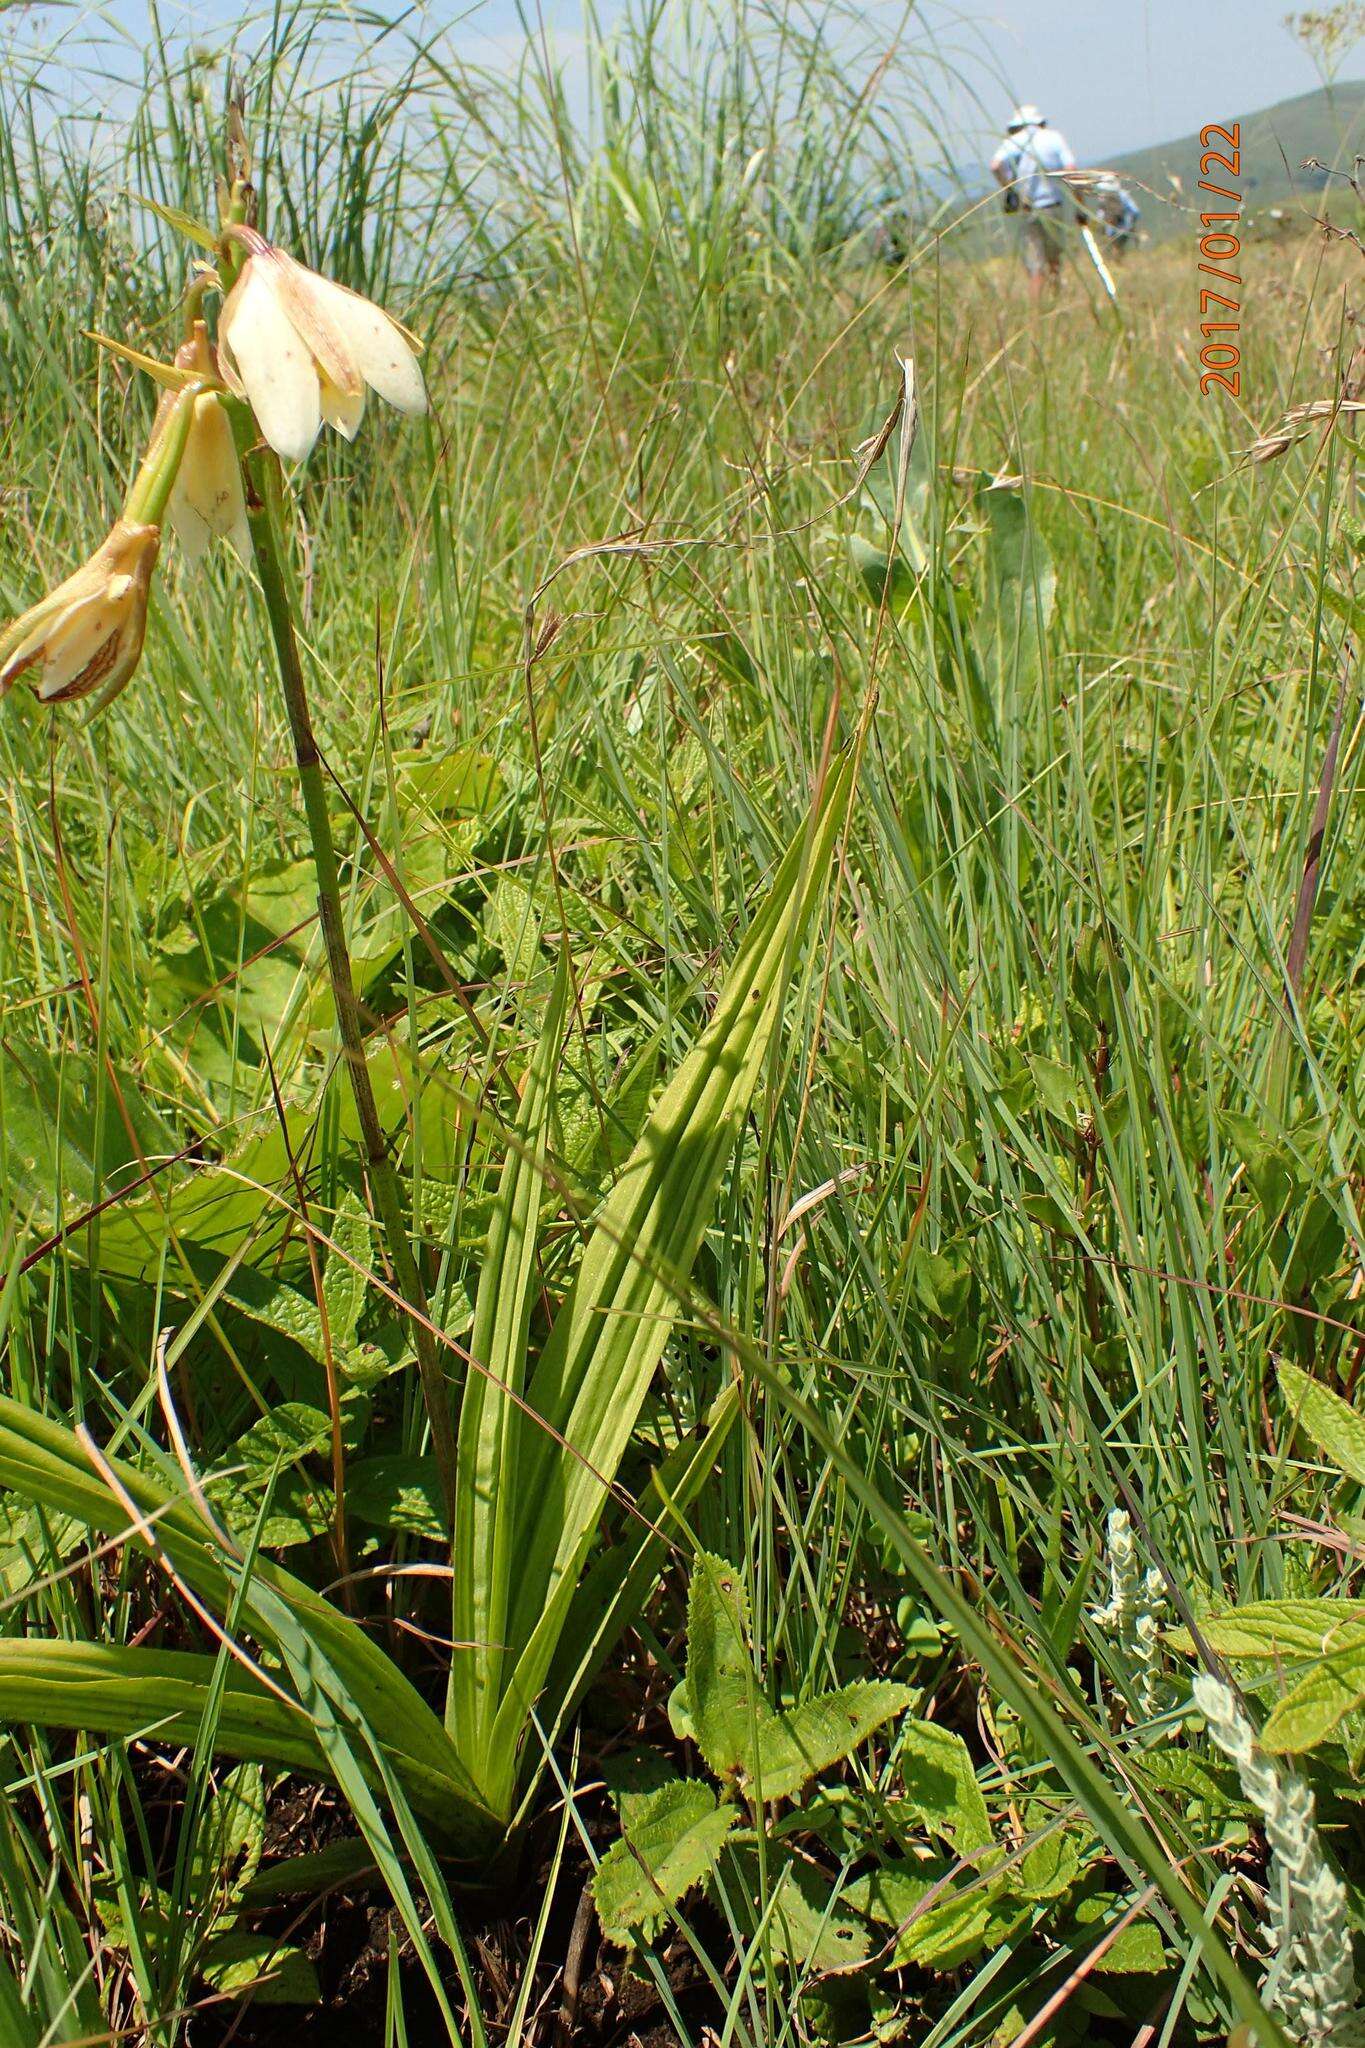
[(1030, 164)]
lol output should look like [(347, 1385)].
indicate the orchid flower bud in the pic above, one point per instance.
[(87, 633), (206, 500), (302, 350)]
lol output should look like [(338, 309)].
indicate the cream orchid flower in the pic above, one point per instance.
[(302, 350), (206, 500), (87, 633)]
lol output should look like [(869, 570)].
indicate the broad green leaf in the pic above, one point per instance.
[(1021, 579), (1139, 1950), (347, 1273), (795, 1745), (58, 1153), (514, 919), (1331, 1423), (1276, 1629), (954, 1927), (877, 569), (771, 1754), (611, 1329), (1315, 1708), (670, 1845), (276, 1973), (803, 1922), (462, 779), (397, 1491), (723, 1696), (1050, 1867), (230, 1837), (277, 1306), (940, 1785), (632, 1777), (299, 1511), (348, 1861), (291, 1431)]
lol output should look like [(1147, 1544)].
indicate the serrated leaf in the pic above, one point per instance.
[(1139, 1950), (300, 1509), (397, 1492), (513, 920), (951, 1931), (793, 1747), (277, 1307), (1212, 1786), (1276, 1629), (804, 1923), (276, 1974), (737, 1731), (1331, 1423), (940, 1784), (721, 1685), (347, 1272), (1314, 1708), (632, 1777), (291, 1431), (1049, 1869), (228, 1844), (671, 1844)]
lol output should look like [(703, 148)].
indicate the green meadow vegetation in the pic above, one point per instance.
[(808, 1487)]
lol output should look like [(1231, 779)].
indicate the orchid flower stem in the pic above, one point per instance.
[(263, 495)]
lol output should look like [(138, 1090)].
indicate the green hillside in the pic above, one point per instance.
[(1275, 142)]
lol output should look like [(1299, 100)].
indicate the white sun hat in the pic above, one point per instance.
[(1026, 117)]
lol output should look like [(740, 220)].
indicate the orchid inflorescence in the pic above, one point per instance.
[(293, 350)]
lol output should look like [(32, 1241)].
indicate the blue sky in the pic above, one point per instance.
[(1114, 74), (1123, 73)]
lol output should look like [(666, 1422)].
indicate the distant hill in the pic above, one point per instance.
[(1274, 143)]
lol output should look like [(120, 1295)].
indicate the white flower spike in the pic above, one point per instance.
[(302, 350)]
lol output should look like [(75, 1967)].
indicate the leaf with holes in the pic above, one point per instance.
[(806, 1922)]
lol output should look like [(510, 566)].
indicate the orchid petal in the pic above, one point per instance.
[(384, 356), (259, 345)]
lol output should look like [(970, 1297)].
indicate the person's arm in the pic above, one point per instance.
[(1002, 165)]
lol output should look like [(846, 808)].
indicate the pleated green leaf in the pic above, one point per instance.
[(610, 1332), (491, 1422)]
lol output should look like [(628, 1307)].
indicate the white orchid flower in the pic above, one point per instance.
[(302, 350)]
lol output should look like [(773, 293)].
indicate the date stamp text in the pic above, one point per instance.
[(1220, 358)]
